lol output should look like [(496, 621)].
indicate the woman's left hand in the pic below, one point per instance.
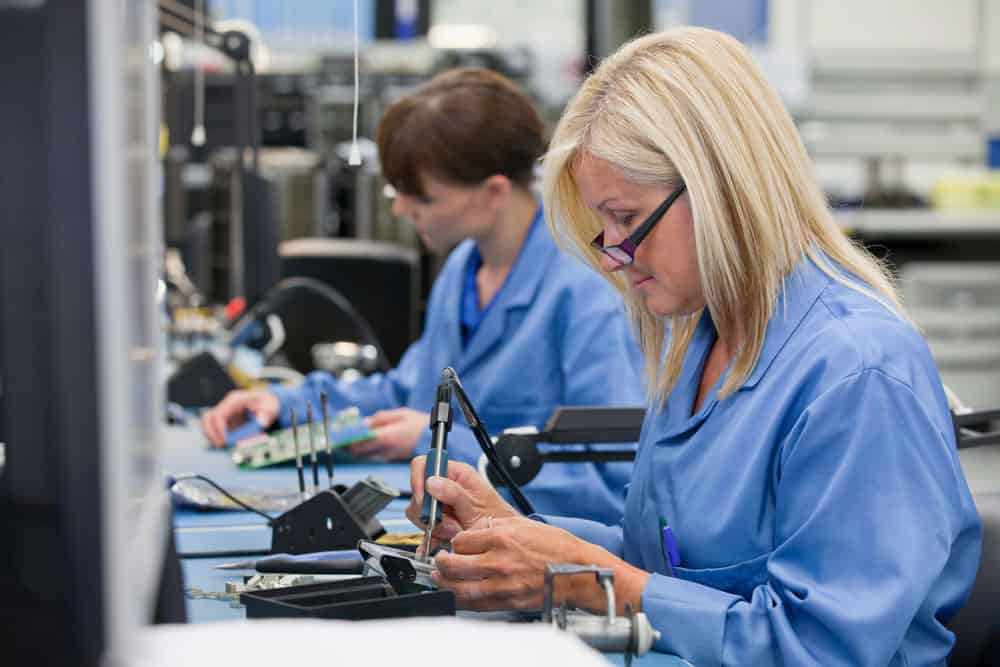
[(503, 567), (396, 433)]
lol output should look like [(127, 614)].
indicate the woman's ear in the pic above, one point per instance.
[(498, 188)]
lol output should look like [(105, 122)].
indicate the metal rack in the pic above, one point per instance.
[(886, 109)]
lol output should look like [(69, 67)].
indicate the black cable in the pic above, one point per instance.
[(281, 291), (486, 444), (191, 475)]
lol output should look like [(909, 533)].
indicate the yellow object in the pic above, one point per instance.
[(409, 539), (969, 191), (164, 140)]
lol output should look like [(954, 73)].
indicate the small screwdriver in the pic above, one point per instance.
[(323, 562)]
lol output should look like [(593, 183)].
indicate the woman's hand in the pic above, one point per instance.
[(466, 499), (503, 567), (396, 434), (231, 412)]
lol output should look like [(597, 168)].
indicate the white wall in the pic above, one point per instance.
[(892, 25), (886, 25), (991, 34)]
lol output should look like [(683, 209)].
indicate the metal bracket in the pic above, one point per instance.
[(630, 634)]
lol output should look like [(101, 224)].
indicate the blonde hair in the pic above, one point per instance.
[(689, 105)]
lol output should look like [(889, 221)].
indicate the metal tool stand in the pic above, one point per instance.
[(523, 458), (630, 634)]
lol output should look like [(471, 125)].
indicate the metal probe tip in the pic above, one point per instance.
[(326, 435), (312, 448), (298, 453)]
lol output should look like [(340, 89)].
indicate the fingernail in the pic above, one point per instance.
[(434, 484)]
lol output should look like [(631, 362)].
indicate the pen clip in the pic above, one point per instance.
[(668, 544)]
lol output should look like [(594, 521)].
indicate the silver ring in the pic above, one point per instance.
[(489, 520)]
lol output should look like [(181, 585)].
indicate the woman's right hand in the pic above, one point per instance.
[(466, 499), (231, 412)]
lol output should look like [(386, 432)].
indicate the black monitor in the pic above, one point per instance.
[(84, 515)]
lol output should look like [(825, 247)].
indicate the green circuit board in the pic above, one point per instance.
[(270, 449)]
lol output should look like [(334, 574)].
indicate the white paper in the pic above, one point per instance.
[(442, 642)]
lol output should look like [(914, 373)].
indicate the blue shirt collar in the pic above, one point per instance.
[(799, 292), (470, 314)]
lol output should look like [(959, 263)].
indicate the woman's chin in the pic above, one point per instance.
[(662, 305)]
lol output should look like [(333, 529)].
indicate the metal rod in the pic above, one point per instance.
[(609, 591), (298, 454), (176, 25), (312, 448), (326, 436), (178, 8)]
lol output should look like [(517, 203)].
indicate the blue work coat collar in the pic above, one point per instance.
[(799, 292), (518, 292)]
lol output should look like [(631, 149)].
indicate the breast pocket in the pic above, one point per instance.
[(739, 579)]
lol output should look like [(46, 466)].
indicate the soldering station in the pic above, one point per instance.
[(333, 533)]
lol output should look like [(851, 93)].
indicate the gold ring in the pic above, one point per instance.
[(489, 520)]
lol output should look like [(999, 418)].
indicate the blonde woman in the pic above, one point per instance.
[(797, 497)]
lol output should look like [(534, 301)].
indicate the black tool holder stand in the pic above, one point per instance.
[(976, 429), (324, 522), (353, 599), (523, 458)]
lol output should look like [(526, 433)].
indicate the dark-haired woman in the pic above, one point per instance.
[(526, 327)]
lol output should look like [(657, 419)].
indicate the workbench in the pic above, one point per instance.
[(199, 532)]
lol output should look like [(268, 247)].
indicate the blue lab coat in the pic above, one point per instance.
[(820, 511), (555, 334)]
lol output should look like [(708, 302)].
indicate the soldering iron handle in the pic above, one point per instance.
[(433, 470)]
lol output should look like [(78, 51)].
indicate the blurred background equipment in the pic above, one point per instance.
[(380, 279), (304, 311), (897, 102), (957, 305)]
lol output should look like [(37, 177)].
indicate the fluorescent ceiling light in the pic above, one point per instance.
[(458, 36)]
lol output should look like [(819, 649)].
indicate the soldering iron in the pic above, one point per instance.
[(437, 457)]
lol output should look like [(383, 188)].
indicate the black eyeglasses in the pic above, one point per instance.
[(624, 252)]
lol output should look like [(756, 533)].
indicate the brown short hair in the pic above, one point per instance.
[(462, 126)]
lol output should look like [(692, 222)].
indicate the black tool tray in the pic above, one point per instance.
[(360, 599)]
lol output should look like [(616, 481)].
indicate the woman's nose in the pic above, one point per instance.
[(608, 264), (610, 238)]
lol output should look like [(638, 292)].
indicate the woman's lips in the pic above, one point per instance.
[(641, 281)]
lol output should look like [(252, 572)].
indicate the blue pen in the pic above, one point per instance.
[(668, 544)]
